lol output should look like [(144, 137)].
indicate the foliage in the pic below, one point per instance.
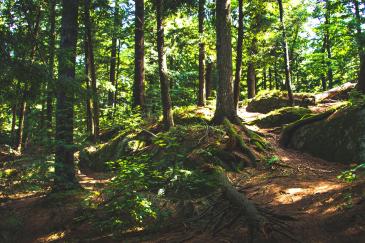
[(351, 175)]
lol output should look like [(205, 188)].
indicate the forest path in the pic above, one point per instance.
[(326, 209)]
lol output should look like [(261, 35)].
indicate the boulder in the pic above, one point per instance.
[(337, 135), (280, 117), (268, 101)]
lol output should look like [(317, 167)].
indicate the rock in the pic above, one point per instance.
[(338, 137), (280, 117), (96, 157), (268, 101), (7, 153)]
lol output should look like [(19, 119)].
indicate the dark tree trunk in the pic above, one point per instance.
[(251, 80), (270, 79), (225, 103), (323, 76), (328, 44), (13, 123), (361, 83), (168, 120), (22, 112), (237, 78), (64, 161), (50, 84), (360, 42), (113, 55), (92, 70), (202, 90), (208, 80), (251, 70), (138, 88), (264, 79), (286, 54), (276, 75), (117, 74)]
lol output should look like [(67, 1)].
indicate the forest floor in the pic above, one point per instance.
[(324, 208)]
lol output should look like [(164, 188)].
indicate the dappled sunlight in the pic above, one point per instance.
[(55, 236)]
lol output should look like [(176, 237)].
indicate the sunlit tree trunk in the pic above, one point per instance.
[(208, 80), (113, 54), (286, 54), (64, 160), (202, 90), (225, 103), (139, 76), (168, 120), (237, 79), (251, 80), (92, 69), (89, 112), (328, 44)]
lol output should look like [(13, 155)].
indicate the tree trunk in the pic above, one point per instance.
[(89, 112), (360, 42), (208, 80), (64, 161), (251, 80), (113, 55), (225, 103), (117, 75), (286, 54), (92, 70), (202, 90), (138, 88), (22, 111), (328, 44), (270, 79), (264, 80), (13, 123), (237, 79), (50, 84), (168, 120)]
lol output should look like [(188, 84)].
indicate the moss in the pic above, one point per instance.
[(191, 115), (281, 117), (268, 101)]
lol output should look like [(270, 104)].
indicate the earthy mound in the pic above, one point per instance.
[(272, 100), (280, 117), (336, 135)]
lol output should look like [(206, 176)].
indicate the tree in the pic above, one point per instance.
[(225, 104), (64, 160), (201, 94), (237, 78), (138, 87), (286, 54), (92, 70), (327, 43), (113, 54), (168, 120)]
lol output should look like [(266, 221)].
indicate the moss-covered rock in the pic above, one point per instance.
[(280, 117), (96, 157), (338, 137), (267, 101)]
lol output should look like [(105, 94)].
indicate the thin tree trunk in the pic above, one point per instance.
[(113, 55), (270, 79), (264, 80), (92, 70), (168, 120), (64, 161), (13, 122), (208, 80), (202, 90), (21, 121), (286, 55), (237, 79), (328, 44), (251, 80), (138, 88), (225, 103), (52, 40), (359, 37), (117, 75), (89, 113)]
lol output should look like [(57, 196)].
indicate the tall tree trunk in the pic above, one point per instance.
[(117, 74), (286, 54), (22, 112), (52, 40), (270, 79), (168, 120), (139, 76), (208, 80), (237, 79), (323, 76), (64, 162), (251, 80), (113, 55), (201, 93), (89, 113), (264, 79), (13, 122), (92, 70), (360, 43), (225, 103), (328, 44)]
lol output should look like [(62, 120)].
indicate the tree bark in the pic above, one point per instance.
[(202, 90), (208, 80), (286, 54), (237, 79), (251, 80), (328, 44), (270, 79), (89, 112), (64, 161), (50, 84), (138, 88), (225, 103), (168, 120), (113, 55), (264, 79), (92, 70)]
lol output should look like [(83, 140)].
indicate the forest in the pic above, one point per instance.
[(182, 121)]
